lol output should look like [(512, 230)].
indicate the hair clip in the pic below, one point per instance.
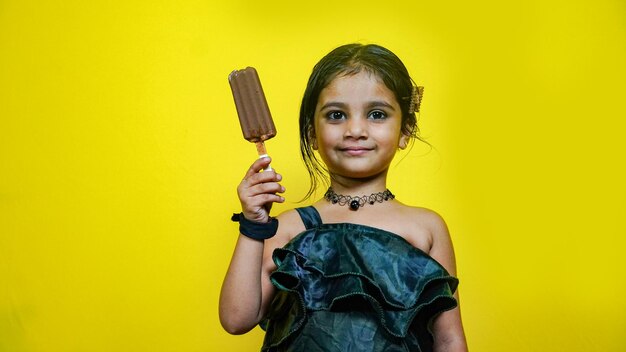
[(417, 92)]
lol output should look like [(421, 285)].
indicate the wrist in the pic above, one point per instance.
[(256, 230)]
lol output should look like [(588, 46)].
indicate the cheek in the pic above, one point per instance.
[(324, 140), (326, 135), (389, 138)]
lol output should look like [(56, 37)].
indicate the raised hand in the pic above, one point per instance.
[(258, 191)]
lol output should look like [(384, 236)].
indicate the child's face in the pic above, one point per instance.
[(358, 126)]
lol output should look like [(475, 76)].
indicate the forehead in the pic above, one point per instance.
[(359, 86)]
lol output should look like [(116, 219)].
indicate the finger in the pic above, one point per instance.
[(269, 198), (257, 166), (269, 187), (261, 213), (248, 195), (262, 177)]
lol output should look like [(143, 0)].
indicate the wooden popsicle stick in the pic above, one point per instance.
[(260, 148)]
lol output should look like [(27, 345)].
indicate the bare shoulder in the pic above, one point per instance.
[(289, 225), (419, 221), (431, 220), (425, 216), (428, 231)]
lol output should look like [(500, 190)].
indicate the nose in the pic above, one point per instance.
[(356, 127)]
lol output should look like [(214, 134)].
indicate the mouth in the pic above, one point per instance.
[(355, 150)]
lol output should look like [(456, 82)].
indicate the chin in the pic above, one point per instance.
[(359, 174)]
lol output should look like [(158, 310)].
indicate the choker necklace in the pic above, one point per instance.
[(356, 202)]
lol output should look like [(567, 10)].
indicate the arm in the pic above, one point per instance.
[(246, 291), (447, 327)]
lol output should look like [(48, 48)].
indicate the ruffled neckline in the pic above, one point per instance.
[(373, 229)]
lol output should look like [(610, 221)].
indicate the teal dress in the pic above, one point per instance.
[(348, 287)]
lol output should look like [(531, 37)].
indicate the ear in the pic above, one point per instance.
[(312, 139), (404, 141)]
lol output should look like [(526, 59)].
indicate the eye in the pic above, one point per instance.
[(377, 115), (336, 115)]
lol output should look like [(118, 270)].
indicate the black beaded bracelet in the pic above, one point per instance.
[(256, 230)]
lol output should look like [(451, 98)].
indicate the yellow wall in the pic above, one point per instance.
[(120, 152)]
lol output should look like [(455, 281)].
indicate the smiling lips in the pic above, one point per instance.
[(355, 150)]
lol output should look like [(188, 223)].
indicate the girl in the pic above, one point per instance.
[(358, 270)]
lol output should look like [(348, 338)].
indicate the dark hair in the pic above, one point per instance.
[(350, 59)]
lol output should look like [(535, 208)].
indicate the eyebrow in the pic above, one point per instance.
[(370, 105), (375, 104)]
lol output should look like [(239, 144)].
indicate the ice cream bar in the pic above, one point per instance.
[(254, 114)]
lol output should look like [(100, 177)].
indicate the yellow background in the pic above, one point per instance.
[(120, 153)]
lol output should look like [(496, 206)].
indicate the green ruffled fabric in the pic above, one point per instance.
[(348, 287)]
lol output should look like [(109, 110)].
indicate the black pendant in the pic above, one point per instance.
[(354, 204)]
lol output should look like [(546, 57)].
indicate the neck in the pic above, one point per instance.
[(355, 186)]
